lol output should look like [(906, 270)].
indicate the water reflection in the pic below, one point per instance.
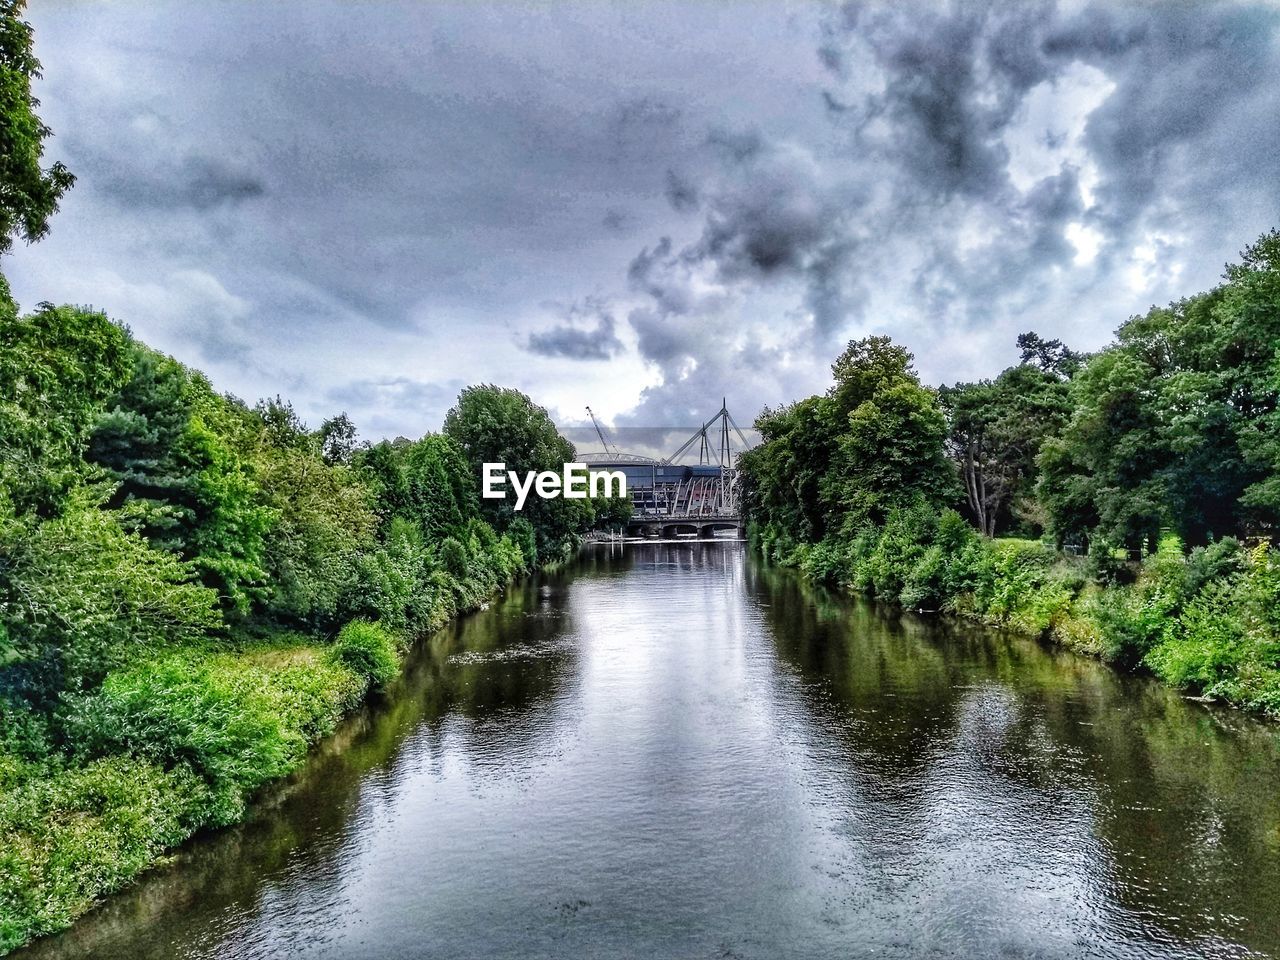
[(1012, 780), (673, 752)]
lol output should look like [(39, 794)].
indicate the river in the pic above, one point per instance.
[(669, 751)]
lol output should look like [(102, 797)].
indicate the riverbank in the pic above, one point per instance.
[(193, 590), (1206, 621), (674, 750), (175, 745)]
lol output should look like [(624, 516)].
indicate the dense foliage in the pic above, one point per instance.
[(29, 194), (1125, 503), (192, 590)]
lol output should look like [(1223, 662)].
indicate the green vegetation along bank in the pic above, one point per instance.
[(1124, 503), (193, 591)]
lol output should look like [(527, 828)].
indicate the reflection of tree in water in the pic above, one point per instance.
[(497, 714), (490, 684), (961, 779), (1179, 806)]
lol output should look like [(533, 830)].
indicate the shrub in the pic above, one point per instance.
[(397, 585), (81, 833), (1133, 619), (369, 650), (525, 537), (1007, 571), (925, 585), (1217, 561), (825, 562), (238, 720), (453, 557), (1227, 641)]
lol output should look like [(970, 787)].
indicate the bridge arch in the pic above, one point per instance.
[(672, 530), (707, 531)]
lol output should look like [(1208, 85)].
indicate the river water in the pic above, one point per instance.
[(671, 752)]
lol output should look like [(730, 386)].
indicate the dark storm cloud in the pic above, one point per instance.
[(930, 102), (365, 207), (681, 193), (771, 215), (957, 78), (599, 341), (196, 181)]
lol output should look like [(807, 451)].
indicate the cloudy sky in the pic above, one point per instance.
[(639, 206)]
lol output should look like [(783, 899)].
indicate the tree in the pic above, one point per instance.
[(1049, 356), (497, 425), (181, 455), (136, 440), (830, 464), (58, 367), (282, 428), (225, 538), (1249, 342), (323, 520), (995, 431), (439, 491), (79, 595), (782, 477), (890, 452), (1168, 426), (338, 439), (29, 195)]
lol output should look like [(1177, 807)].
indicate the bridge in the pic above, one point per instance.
[(672, 498)]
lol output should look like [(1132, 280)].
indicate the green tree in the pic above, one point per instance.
[(1249, 342), (995, 431), (338, 439), (58, 367), (439, 486), (782, 477), (890, 454), (226, 539), (80, 595), (1162, 426), (1049, 356), (829, 465), (323, 520), (497, 425), (177, 451), (29, 194), (136, 440)]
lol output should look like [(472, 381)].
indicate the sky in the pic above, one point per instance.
[(641, 207)]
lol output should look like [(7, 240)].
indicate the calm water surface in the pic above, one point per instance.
[(671, 752)]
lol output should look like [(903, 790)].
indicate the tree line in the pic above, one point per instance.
[(193, 589), (1125, 502)]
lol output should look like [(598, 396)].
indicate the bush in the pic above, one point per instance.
[(76, 835), (925, 585), (397, 585), (237, 720), (525, 537), (826, 562), (369, 650), (1227, 641), (453, 557), (1218, 561)]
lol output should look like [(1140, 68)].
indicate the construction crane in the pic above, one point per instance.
[(600, 433)]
